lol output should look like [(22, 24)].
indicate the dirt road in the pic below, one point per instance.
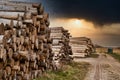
[(102, 68)]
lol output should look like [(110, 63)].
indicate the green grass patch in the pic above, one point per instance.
[(115, 55), (71, 71)]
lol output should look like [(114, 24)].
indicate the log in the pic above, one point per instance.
[(1, 66), (33, 56), (33, 65), (23, 68), (17, 62), (1, 39), (32, 46), (4, 55), (85, 47), (24, 54), (43, 28), (40, 10), (47, 22), (18, 41), (60, 46), (25, 49), (27, 22), (26, 17), (39, 17), (16, 68), (11, 4), (14, 38), (46, 16), (10, 53), (14, 10), (37, 43), (4, 75), (21, 40), (36, 5), (26, 77), (19, 3), (19, 7), (26, 41), (27, 63), (41, 38), (9, 17), (1, 29), (8, 70)]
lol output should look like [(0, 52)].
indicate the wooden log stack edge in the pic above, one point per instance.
[(25, 46), (82, 46), (60, 46)]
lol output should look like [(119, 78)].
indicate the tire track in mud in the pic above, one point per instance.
[(114, 69), (99, 71)]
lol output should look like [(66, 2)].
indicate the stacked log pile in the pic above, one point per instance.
[(25, 47), (82, 46), (60, 46)]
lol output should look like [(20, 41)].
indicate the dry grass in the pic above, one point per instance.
[(116, 56), (71, 71), (94, 55), (116, 51)]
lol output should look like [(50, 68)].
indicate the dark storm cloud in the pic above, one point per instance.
[(98, 11)]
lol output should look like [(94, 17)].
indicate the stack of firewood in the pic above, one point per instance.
[(25, 44), (60, 46), (82, 46)]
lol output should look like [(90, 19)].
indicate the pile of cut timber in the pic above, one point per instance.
[(82, 46), (25, 44), (60, 46)]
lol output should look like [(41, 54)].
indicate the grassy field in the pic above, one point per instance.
[(116, 56), (72, 71)]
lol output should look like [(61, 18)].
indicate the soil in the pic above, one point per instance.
[(104, 67)]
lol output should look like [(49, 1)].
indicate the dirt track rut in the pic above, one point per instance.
[(102, 68)]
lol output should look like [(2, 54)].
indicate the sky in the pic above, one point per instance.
[(96, 19)]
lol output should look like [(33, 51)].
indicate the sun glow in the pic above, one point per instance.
[(77, 27), (76, 22)]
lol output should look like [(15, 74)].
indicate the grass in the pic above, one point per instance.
[(71, 71), (115, 55), (94, 55)]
